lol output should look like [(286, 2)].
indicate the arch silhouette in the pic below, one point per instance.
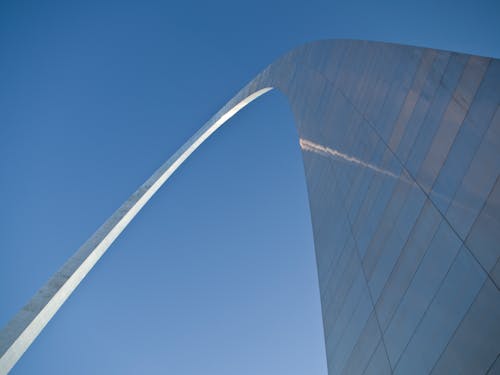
[(380, 127)]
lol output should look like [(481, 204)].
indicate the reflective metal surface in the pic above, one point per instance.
[(401, 150)]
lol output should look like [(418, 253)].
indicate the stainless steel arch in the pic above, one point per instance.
[(22, 330), (383, 129)]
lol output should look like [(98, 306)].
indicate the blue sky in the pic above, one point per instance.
[(217, 274)]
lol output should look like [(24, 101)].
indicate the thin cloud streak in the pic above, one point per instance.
[(329, 152)]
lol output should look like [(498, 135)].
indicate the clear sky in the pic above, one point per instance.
[(217, 274)]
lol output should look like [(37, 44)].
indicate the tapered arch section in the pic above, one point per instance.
[(400, 148), (21, 331)]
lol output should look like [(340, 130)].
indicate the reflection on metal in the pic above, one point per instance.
[(408, 272), (328, 152)]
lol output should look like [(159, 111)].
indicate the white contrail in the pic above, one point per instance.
[(330, 152)]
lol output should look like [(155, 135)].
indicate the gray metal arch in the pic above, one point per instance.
[(400, 151)]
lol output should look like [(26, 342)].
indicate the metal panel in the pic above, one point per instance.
[(401, 151)]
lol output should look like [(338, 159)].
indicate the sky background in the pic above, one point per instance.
[(217, 274)]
